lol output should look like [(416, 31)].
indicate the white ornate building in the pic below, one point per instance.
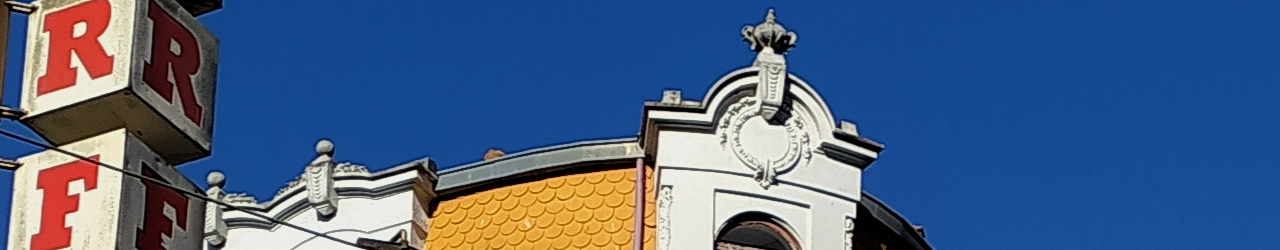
[(342, 200), (759, 162)]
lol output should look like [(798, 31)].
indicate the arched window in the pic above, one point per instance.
[(755, 231)]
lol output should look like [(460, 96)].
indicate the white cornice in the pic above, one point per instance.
[(538, 159), (350, 181)]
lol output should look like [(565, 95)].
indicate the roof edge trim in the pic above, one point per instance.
[(457, 178), (893, 221), (288, 205)]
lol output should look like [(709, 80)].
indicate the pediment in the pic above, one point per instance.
[(731, 109)]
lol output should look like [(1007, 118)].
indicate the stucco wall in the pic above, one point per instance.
[(709, 187), (591, 210)]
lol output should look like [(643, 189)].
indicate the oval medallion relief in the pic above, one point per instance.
[(767, 149)]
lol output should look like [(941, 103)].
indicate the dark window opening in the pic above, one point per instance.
[(755, 231)]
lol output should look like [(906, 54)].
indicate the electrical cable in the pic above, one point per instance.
[(201, 196)]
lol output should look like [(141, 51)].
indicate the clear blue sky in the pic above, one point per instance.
[(1008, 124)]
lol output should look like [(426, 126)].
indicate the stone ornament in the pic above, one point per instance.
[(240, 199), (348, 168), (848, 233), (740, 118), (769, 36), (215, 228), (319, 180), (664, 217), (771, 41), (341, 169)]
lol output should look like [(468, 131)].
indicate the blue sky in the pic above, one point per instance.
[(1008, 124)]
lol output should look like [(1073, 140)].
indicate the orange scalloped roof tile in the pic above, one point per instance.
[(579, 211)]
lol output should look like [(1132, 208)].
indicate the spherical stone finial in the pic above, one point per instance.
[(216, 179), (324, 147)]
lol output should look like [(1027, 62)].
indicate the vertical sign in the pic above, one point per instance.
[(113, 80), (61, 202), (97, 65)]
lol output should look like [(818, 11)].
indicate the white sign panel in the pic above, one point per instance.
[(61, 202), (96, 65)]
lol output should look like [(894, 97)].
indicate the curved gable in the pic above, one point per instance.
[(840, 139)]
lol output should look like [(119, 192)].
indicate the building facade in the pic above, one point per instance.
[(759, 162)]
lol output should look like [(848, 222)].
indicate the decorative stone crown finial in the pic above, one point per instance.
[(216, 179), (771, 42), (769, 35), (324, 147)]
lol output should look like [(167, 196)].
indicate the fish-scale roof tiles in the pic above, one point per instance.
[(592, 210)]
